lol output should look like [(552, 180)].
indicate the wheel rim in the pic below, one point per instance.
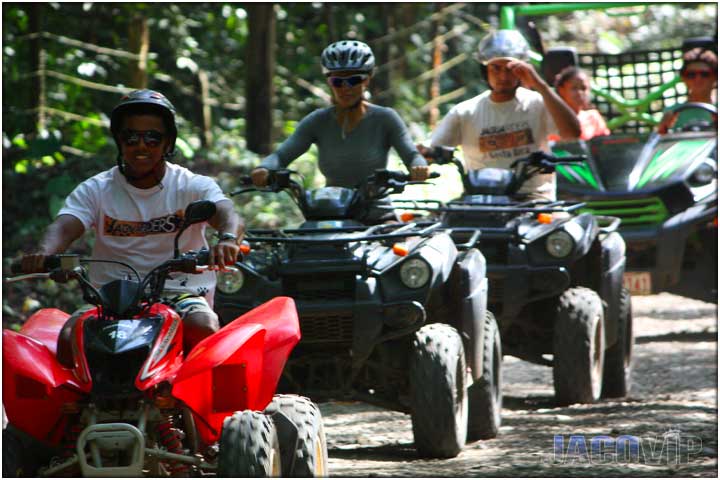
[(275, 465), (597, 354), (461, 403), (319, 458), (627, 357)]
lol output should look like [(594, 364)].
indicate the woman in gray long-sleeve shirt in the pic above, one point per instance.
[(353, 136)]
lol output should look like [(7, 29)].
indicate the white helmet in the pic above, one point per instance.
[(503, 44), (347, 55)]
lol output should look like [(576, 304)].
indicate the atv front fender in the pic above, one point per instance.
[(35, 387), (238, 367)]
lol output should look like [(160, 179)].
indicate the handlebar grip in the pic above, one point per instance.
[(434, 175), (51, 262)]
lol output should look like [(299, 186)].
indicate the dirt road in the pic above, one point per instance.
[(671, 414)]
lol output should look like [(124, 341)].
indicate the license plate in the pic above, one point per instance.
[(639, 283)]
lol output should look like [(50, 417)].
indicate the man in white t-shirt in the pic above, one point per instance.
[(510, 120), (135, 210)]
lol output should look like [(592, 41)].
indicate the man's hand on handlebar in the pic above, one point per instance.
[(33, 263), (259, 176)]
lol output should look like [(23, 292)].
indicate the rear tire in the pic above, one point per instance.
[(310, 457), (619, 358), (485, 394), (249, 446), (438, 397), (578, 347)]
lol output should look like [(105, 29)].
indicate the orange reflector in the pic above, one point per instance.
[(715, 222), (71, 407), (400, 249), (407, 216), (544, 218), (164, 402), (244, 248)]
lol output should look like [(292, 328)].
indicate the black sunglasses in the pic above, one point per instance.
[(694, 73), (351, 81), (152, 138)]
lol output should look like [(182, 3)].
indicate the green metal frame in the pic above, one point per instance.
[(630, 110)]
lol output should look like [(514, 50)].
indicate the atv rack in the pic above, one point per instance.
[(354, 234)]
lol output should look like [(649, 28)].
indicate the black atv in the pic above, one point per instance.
[(390, 314), (555, 277)]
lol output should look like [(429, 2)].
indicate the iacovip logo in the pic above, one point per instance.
[(671, 448)]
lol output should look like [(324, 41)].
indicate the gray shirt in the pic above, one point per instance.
[(345, 162)]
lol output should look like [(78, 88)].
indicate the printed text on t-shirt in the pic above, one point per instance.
[(127, 228), (506, 140)]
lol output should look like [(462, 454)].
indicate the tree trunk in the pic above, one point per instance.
[(260, 66), (438, 47), (139, 43), (383, 55), (38, 58), (203, 108)]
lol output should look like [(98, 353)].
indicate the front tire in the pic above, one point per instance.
[(578, 347), (485, 394), (619, 357), (309, 455), (438, 397), (249, 446)]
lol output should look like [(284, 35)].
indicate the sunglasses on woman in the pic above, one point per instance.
[(152, 138), (351, 81), (694, 73)]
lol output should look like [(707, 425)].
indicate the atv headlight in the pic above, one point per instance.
[(415, 273), (559, 244), (230, 281), (703, 174)]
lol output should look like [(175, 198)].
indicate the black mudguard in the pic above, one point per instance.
[(613, 268), (468, 290)]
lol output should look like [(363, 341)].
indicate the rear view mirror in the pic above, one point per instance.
[(199, 211), (196, 212)]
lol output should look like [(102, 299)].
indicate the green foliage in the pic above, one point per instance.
[(42, 165)]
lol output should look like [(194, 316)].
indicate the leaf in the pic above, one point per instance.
[(55, 205), (184, 148)]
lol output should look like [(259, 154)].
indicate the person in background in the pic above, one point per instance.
[(512, 119), (135, 209), (699, 74), (353, 136), (573, 86)]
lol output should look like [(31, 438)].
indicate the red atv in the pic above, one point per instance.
[(133, 404)]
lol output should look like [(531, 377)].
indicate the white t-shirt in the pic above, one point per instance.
[(137, 226), (493, 134)]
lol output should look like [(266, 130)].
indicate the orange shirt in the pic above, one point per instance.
[(592, 125)]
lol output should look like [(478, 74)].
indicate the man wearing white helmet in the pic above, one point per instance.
[(513, 118)]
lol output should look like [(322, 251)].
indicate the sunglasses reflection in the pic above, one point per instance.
[(151, 138), (350, 81)]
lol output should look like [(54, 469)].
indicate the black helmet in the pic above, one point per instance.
[(503, 43), (138, 101), (347, 55)]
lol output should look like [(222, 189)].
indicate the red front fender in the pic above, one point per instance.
[(35, 386), (238, 367)]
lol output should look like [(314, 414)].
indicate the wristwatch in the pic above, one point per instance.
[(223, 237)]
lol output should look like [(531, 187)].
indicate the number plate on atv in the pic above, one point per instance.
[(639, 283)]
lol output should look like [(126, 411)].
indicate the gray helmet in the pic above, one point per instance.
[(503, 43), (347, 55)]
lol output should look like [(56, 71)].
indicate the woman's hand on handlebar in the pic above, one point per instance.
[(260, 176), (419, 173)]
